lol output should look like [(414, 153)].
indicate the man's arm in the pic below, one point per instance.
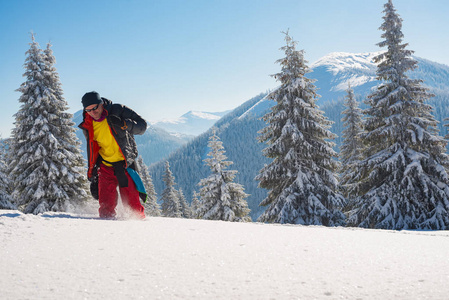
[(134, 123)]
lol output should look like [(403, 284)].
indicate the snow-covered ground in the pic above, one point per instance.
[(78, 256)]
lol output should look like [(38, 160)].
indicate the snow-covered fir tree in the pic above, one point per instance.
[(352, 146), (170, 202), (301, 179), (195, 205), (446, 124), (403, 180), (186, 212), (221, 198), (151, 206), (47, 166), (6, 201)]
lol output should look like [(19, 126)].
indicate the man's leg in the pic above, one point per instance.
[(130, 198), (107, 192)]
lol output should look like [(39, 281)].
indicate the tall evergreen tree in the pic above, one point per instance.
[(6, 201), (221, 198), (47, 165), (195, 205), (170, 202), (186, 212), (447, 130), (352, 146), (403, 182), (301, 178), (151, 206)]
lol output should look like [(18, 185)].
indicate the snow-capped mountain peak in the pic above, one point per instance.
[(188, 116), (334, 72), (202, 115), (336, 62), (191, 123), (337, 70)]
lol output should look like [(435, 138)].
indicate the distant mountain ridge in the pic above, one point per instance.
[(238, 130), (192, 123)]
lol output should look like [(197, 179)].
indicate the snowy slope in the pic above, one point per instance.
[(76, 256), (258, 109), (192, 123)]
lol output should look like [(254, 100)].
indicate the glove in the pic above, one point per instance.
[(94, 183), (122, 124), (119, 172), (129, 124), (94, 188)]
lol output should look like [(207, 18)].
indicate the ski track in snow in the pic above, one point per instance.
[(78, 256)]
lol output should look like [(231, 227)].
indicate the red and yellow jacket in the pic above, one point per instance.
[(132, 124)]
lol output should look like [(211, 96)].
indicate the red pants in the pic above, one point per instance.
[(107, 192)]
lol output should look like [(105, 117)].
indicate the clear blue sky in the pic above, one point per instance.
[(164, 58)]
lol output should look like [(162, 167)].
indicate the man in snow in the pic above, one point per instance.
[(111, 150)]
